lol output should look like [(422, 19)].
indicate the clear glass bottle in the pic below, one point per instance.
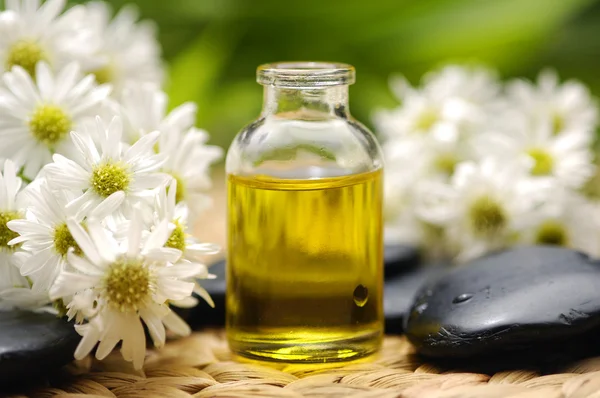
[(304, 267)]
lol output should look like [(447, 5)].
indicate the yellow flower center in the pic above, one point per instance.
[(177, 238), (49, 124), (6, 234), (60, 307), (486, 216), (25, 54), (127, 285), (109, 177), (591, 188), (552, 233), (558, 123), (426, 119), (63, 241), (445, 163), (104, 74), (543, 162), (181, 193)]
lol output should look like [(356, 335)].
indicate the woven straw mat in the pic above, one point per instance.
[(202, 366)]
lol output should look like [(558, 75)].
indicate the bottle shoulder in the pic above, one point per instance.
[(290, 142)]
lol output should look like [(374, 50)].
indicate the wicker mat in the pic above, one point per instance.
[(202, 366)]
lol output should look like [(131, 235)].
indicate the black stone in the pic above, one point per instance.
[(530, 300), (33, 344), (400, 292), (399, 259)]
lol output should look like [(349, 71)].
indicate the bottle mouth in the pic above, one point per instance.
[(305, 74)]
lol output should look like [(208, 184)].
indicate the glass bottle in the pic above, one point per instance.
[(304, 267)]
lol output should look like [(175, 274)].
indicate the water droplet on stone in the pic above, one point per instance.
[(420, 308), (361, 295), (461, 298)]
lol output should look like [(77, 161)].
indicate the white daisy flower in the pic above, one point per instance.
[(11, 208), (177, 213), (37, 116), (425, 156), (143, 109), (111, 179), (474, 84), (131, 284), (451, 103), (403, 173), (569, 220), (124, 50), (566, 157), (44, 235), (402, 225), (31, 31), (167, 208), (188, 162), (483, 207), (568, 106), (410, 162)]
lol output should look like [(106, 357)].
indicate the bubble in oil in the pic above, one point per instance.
[(361, 295)]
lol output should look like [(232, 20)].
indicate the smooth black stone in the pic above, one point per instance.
[(399, 259), (33, 344), (400, 292), (527, 300)]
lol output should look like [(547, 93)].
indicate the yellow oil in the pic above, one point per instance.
[(305, 270)]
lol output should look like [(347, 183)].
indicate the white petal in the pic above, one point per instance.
[(170, 289), (65, 80), (200, 291), (159, 236), (155, 327), (81, 206), (86, 147), (45, 81), (36, 262), (203, 248), (12, 182), (115, 132), (107, 344), (84, 241), (163, 254), (134, 346), (104, 242), (92, 99), (69, 283), (149, 181), (21, 85), (184, 270), (82, 265), (173, 322), (134, 234), (27, 227), (108, 206), (143, 146), (90, 337)]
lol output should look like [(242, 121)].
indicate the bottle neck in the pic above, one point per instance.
[(324, 101)]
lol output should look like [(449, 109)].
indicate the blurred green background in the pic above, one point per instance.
[(212, 47)]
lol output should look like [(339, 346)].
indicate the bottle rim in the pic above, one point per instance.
[(305, 74)]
